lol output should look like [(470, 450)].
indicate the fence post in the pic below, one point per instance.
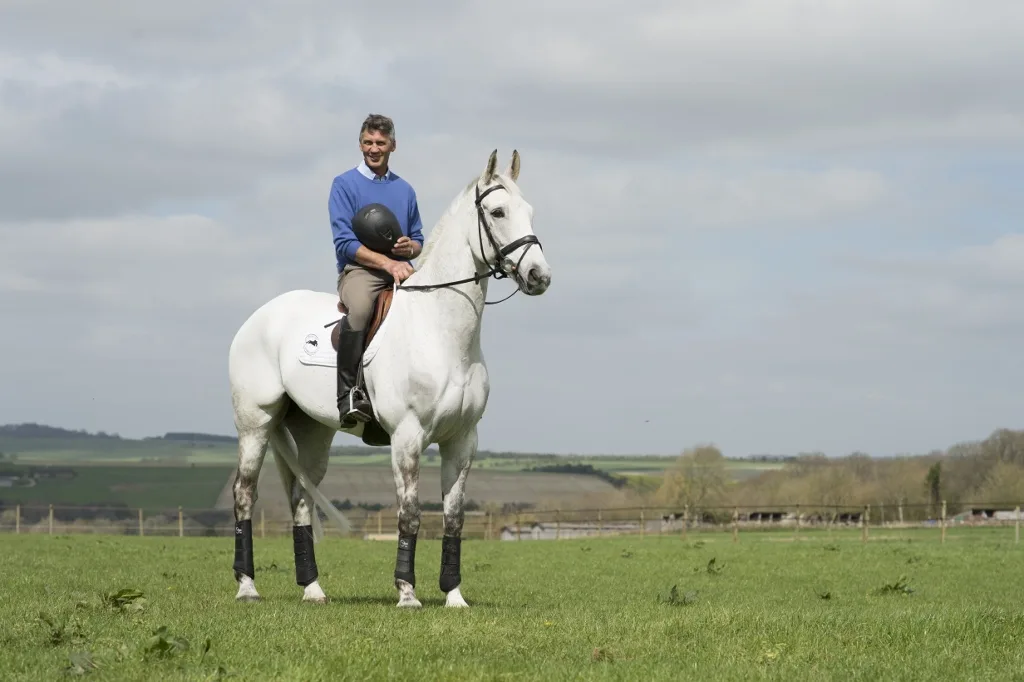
[(518, 533), (943, 522), (864, 523), (490, 530), (735, 524), (140, 523), (51, 519), (1016, 539), (181, 523), (686, 518), (901, 514), (797, 530), (643, 524), (558, 524), (600, 524), (380, 521), (17, 519)]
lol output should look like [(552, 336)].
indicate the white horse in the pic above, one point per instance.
[(424, 373)]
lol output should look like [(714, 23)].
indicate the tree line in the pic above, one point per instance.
[(989, 472)]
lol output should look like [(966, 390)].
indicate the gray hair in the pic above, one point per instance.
[(379, 123)]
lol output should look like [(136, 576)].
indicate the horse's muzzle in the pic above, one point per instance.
[(537, 281)]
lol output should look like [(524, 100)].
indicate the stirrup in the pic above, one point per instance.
[(353, 414)]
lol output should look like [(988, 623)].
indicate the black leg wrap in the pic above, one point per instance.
[(305, 559), (243, 549), (405, 562), (451, 550)]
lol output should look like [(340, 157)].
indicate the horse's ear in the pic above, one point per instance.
[(492, 164), (513, 167)]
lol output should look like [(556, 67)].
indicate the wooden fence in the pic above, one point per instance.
[(532, 524)]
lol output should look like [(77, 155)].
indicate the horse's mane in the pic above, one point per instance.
[(444, 220), (453, 208)]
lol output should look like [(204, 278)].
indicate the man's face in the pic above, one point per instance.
[(376, 148)]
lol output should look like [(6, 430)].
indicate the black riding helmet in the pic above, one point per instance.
[(376, 227)]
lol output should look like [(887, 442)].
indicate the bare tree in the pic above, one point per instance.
[(699, 477)]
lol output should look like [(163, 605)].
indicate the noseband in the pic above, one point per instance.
[(500, 253)]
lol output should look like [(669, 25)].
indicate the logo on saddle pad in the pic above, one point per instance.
[(311, 344)]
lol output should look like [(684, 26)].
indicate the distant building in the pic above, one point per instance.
[(977, 516), (568, 529)]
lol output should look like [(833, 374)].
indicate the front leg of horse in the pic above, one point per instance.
[(405, 462), (456, 460)]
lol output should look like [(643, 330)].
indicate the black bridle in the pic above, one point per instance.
[(496, 270)]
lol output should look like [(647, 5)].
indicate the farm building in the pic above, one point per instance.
[(674, 521), (568, 529), (974, 516), (767, 517)]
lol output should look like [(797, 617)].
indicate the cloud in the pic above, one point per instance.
[(777, 227)]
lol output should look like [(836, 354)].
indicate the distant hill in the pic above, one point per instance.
[(33, 430), (195, 438), (41, 442)]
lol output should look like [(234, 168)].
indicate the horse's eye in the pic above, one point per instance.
[(498, 213)]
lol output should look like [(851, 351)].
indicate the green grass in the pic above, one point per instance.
[(91, 449), (767, 608), (77, 450), (149, 486)]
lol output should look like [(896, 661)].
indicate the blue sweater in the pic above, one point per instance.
[(352, 190)]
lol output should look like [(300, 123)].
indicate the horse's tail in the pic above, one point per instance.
[(285, 449)]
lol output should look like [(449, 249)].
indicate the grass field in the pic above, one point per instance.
[(765, 608), (163, 473), (376, 485), (68, 450), (150, 486), (113, 450)]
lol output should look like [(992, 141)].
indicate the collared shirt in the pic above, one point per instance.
[(365, 170)]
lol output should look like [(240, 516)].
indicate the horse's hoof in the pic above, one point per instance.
[(247, 590), (455, 600), (409, 603), (314, 594), (248, 598)]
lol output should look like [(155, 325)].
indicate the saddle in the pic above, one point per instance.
[(381, 306), (374, 434)]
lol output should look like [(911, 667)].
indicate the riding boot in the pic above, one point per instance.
[(353, 407)]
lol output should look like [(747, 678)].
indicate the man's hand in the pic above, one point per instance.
[(398, 269), (405, 248)]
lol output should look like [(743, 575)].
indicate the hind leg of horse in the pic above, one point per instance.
[(406, 446), (456, 459), (312, 444), (252, 447)]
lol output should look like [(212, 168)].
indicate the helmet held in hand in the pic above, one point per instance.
[(376, 227)]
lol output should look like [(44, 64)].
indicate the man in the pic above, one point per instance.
[(362, 272)]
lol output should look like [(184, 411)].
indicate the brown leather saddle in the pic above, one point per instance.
[(381, 307)]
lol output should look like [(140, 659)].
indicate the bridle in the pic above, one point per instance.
[(497, 270)]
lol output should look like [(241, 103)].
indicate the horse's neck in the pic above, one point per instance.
[(456, 311)]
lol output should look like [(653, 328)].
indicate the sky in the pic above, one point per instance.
[(776, 227)]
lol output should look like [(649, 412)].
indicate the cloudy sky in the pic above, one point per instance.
[(788, 226)]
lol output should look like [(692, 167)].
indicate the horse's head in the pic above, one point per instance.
[(505, 228)]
